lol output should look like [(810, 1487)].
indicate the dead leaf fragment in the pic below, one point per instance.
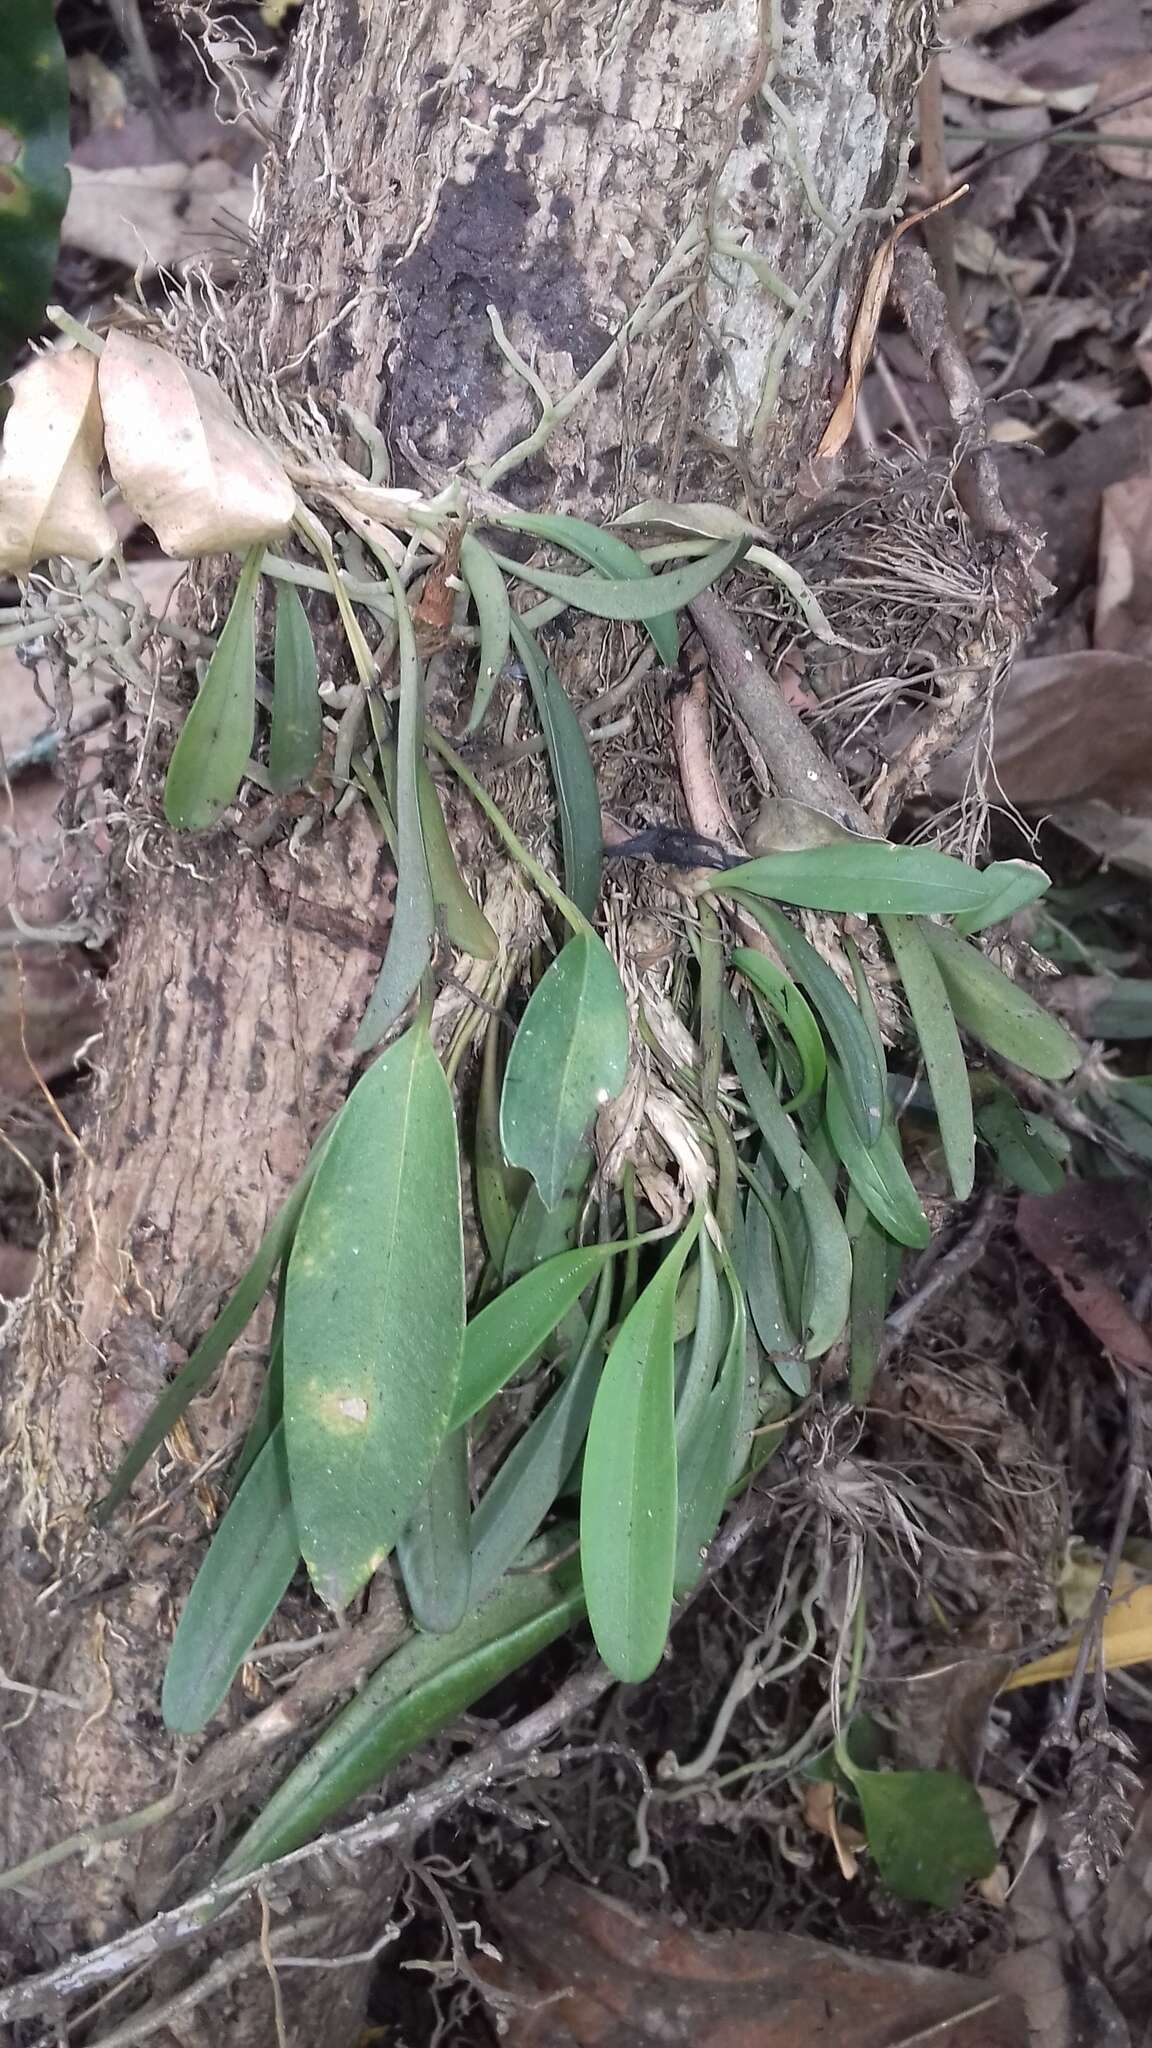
[(1081, 1235), (182, 457), (160, 216), (1120, 83), (1127, 1640), (1124, 589), (50, 499)]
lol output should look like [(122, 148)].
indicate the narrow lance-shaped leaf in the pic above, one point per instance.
[(705, 1351), (581, 828), (629, 598), (374, 1317), (490, 597), (940, 1047), (786, 1000), (434, 1551), (1021, 1154), (1001, 1015), (499, 1189), (828, 1275), (540, 1233), (765, 1285), (422, 1686), (877, 1172), (413, 919), (527, 1484), (709, 1459), (215, 743), (297, 714), (868, 876), (465, 924), (1019, 883), (875, 1269), (607, 553), (237, 1590), (218, 1340), (628, 1496), (760, 1095), (854, 1044), (568, 1058), (270, 1404)]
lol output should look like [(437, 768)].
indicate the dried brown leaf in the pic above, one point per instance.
[(1067, 727), (981, 77), (1123, 622), (159, 216), (1079, 1234), (1119, 83), (182, 457), (50, 500)]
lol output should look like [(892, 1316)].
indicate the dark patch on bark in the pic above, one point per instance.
[(350, 31), (446, 375)]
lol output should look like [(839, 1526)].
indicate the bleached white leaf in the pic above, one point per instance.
[(50, 500)]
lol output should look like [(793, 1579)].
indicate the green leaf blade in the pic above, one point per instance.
[(791, 1007), (568, 1058), (856, 1048), (374, 1317), (927, 1830), (433, 1552), (940, 1046), (877, 1172), (629, 598), (245, 1575), (610, 555), (998, 1013), (868, 876), (511, 1329), (490, 598), (581, 826), (297, 714), (215, 742), (628, 1497)]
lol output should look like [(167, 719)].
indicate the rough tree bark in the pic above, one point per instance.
[(586, 167)]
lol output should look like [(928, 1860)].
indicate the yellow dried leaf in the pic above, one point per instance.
[(1127, 1639), (50, 501), (183, 458)]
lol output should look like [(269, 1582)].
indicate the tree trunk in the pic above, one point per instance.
[(587, 169)]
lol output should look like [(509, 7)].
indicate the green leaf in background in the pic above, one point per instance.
[(708, 1460), (269, 1410), (215, 743), (927, 1831), (706, 1348), (528, 1482), (611, 556), (465, 924), (1017, 1142), (297, 714), (511, 1329), (423, 1686), (539, 1233), (875, 1270), (855, 1046), (1019, 883), (568, 1058), (628, 597), (628, 1496), (434, 1552), (877, 1172), (785, 999), (218, 1339), (765, 1284), (1124, 1011), (828, 1275), (236, 1591), (940, 1047), (760, 1095), (868, 876), (499, 1189), (34, 182), (998, 1013), (490, 597), (414, 915), (578, 799), (374, 1317)]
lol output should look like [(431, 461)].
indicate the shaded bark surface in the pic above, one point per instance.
[(569, 165)]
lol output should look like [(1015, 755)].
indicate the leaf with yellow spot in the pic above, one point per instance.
[(374, 1318), (1126, 1637)]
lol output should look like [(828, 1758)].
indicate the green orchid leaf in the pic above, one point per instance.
[(828, 1272), (245, 1575), (568, 1058), (760, 1095), (499, 1189), (1019, 883), (875, 1271), (270, 1402), (607, 553), (766, 1284), (940, 1047), (215, 743), (998, 1013), (414, 915), (703, 1354), (297, 713), (710, 1459), (794, 1012), (426, 1683), (374, 1317), (510, 1330), (578, 799), (927, 1830), (856, 1048), (629, 597), (539, 1233), (490, 597), (628, 1496), (434, 1552), (868, 876), (34, 181), (465, 924), (1017, 1142), (877, 1172), (218, 1340)]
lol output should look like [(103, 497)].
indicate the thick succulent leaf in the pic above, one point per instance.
[(215, 743), (434, 1551), (869, 876), (374, 1317), (568, 1058), (297, 716), (940, 1047), (999, 1013), (578, 799)]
